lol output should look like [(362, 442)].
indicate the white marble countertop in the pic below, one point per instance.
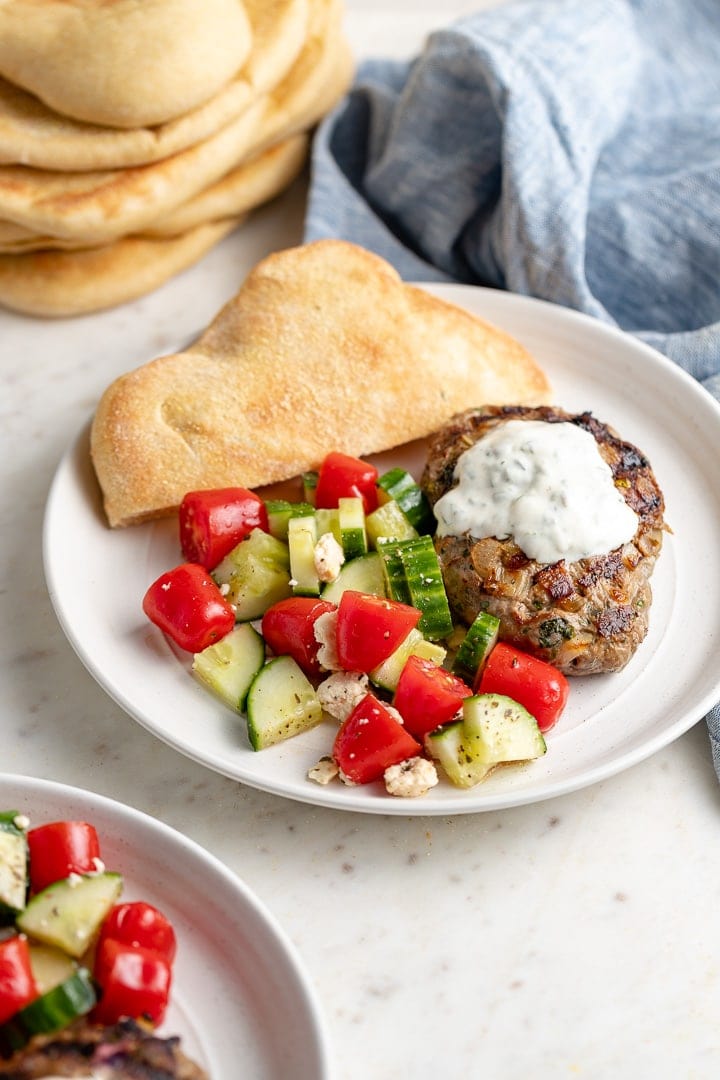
[(570, 938)]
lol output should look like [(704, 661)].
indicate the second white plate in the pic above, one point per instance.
[(97, 578)]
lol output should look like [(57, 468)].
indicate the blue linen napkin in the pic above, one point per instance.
[(563, 149)]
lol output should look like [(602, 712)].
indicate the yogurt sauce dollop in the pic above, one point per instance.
[(545, 485)]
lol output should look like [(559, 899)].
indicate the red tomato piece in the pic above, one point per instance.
[(135, 982), (370, 740), (188, 606), (138, 923), (59, 849), (427, 696), (342, 476), (370, 628), (537, 685), (17, 985), (289, 629), (213, 522)]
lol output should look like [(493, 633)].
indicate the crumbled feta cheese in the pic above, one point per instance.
[(341, 692), (346, 779), (325, 629), (328, 557), (98, 865), (411, 778), (21, 821), (225, 588), (73, 879), (325, 771)]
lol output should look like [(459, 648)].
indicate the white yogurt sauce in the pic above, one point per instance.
[(545, 485)]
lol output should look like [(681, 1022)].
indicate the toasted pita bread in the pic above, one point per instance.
[(33, 134), (324, 347), (60, 283), (123, 63), (243, 189), (95, 208)]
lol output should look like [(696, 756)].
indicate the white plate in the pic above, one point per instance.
[(236, 979), (97, 578)]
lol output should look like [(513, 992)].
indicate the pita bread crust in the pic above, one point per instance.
[(324, 347), (124, 63)]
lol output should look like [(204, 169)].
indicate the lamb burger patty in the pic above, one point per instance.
[(586, 616)]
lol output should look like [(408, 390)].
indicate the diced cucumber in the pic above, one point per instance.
[(50, 966), (448, 746), (353, 535), (364, 574), (230, 665), (257, 573), (476, 646), (282, 702), (396, 585), (328, 521), (279, 512), (302, 538), (13, 866), (388, 522), (388, 673), (425, 584), (310, 482), (397, 484), (498, 729), (50, 1012), (69, 912)]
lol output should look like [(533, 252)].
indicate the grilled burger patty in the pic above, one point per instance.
[(124, 1051), (584, 617)]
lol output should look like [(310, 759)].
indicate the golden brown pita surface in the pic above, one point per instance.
[(33, 134), (123, 63), (97, 207), (323, 348)]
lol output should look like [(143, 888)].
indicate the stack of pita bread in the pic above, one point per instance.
[(133, 137)]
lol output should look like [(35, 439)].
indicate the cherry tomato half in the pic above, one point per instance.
[(289, 629), (59, 849), (188, 606), (134, 982), (537, 685), (370, 628), (370, 740), (213, 522), (427, 696), (138, 923), (342, 476), (17, 985)]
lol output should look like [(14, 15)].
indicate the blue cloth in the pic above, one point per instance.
[(564, 149)]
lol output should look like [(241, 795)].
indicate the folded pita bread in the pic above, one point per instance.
[(33, 134), (243, 189), (60, 283), (95, 208), (123, 63), (323, 348)]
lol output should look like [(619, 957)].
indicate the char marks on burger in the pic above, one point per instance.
[(584, 614)]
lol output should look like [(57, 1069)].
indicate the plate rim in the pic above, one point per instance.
[(459, 804), (316, 1021)]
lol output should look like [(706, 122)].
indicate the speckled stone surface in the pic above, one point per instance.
[(570, 938)]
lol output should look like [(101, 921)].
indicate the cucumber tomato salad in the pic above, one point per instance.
[(334, 606), (69, 947)]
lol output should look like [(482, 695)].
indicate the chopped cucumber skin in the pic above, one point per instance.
[(388, 673), (423, 583), (498, 729), (363, 574), (476, 646), (281, 703), (395, 581), (279, 512), (50, 1012), (351, 515), (13, 867), (448, 745), (229, 666), (397, 484), (68, 913)]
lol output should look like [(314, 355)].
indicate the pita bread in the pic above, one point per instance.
[(33, 134), (243, 189), (124, 63), (323, 348), (98, 207), (59, 283)]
